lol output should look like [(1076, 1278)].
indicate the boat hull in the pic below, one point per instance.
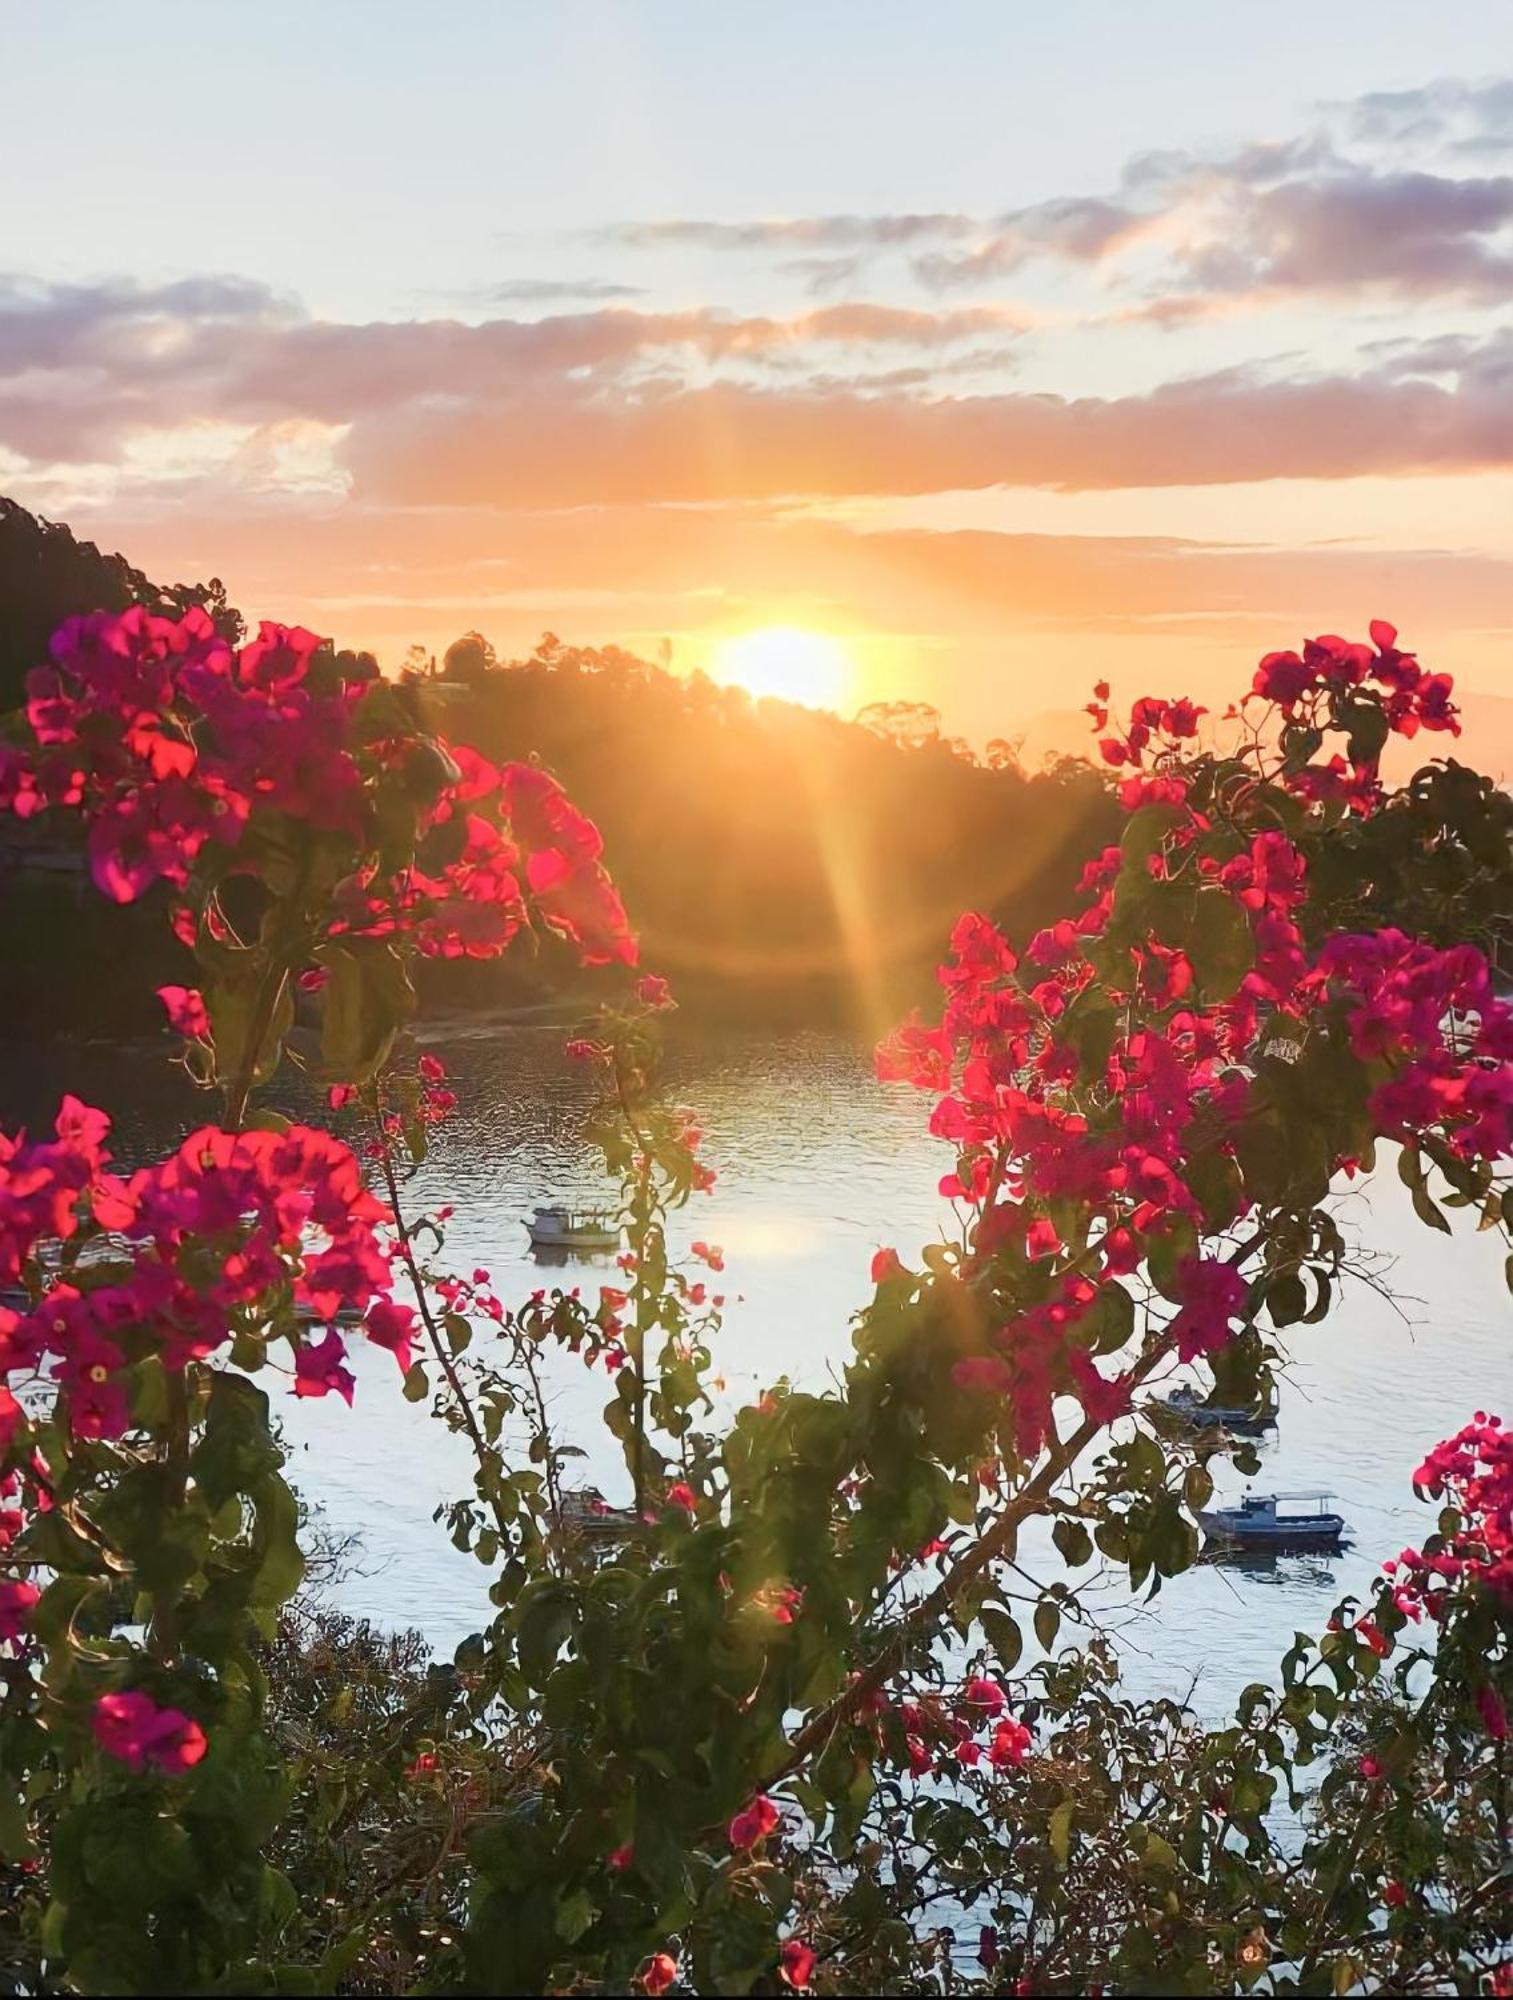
[(1328, 1532)]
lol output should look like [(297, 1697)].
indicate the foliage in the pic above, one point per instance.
[(776, 1722)]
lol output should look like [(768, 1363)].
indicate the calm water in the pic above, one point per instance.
[(818, 1166)]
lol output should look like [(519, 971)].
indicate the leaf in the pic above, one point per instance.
[(417, 1385), (1047, 1623), (1427, 1210), (575, 1915), (1074, 1542), (1286, 1299), (546, 1619), (1003, 1635), (366, 1000), (1220, 944), (1059, 1832), (233, 1004)]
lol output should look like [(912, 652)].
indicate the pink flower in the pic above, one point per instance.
[(318, 1369), (392, 1325), (653, 991), (132, 1727), (620, 1858), (1213, 1293), (682, 1495), (1010, 1742), (660, 1972), (753, 1823), (432, 1068), (886, 1267), (1041, 1239), (340, 1095), (186, 1012), (797, 1964), (984, 1694), (17, 1601), (1490, 1708)]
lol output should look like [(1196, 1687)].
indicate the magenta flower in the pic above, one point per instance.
[(133, 1728), (187, 1015), (1213, 1293), (318, 1369)]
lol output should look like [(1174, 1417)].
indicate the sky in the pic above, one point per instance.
[(991, 348)]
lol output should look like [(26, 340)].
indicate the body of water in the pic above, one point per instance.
[(818, 1166)]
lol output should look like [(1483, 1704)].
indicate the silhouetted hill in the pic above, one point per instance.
[(47, 575), (775, 858), (779, 863)]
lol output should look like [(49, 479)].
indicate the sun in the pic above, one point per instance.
[(789, 662)]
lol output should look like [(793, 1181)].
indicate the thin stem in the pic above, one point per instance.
[(444, 1360)]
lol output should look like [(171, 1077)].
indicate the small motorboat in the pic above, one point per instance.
[(1197, 1410), (573, 1229), (1276, 1521)]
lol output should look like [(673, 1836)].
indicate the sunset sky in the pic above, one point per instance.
[(1002, 345)]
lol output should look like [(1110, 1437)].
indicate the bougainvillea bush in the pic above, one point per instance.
[(783, 1728)]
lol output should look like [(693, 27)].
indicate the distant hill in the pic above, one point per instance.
[(775, 858), (779, 863), (47, 575)]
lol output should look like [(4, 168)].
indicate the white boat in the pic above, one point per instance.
[(1261, 1521), (560, 1228)]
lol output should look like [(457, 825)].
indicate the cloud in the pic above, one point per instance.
[(802, 232), (696, 406), (1339, 210), (551, 291), (822, 274), (730, 441), (1452, 113), (83, 369)]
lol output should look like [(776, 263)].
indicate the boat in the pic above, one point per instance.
[(1194, 1409), (1259, 1522), (560, 1228), (586, 1512)]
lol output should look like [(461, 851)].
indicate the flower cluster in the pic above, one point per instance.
[(171, 742), (1302, 683), (232, 1233), (1473, 1472), (133, 1728), (1096, 1086)]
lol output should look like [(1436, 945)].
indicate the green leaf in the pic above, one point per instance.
[(365, 1002), (575, 1915), (1220, 944), (1047, 1623), (1074, 1542), (1059, 1832), (1427, 1210), (234, 1004), (1003, 1635), (1286, 1299)]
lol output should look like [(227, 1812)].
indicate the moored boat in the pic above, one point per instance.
[(1276, 1521), (558, 1228), (585, 1511), (1194, 1409)]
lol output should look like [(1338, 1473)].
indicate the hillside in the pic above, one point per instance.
[(780, 863)]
